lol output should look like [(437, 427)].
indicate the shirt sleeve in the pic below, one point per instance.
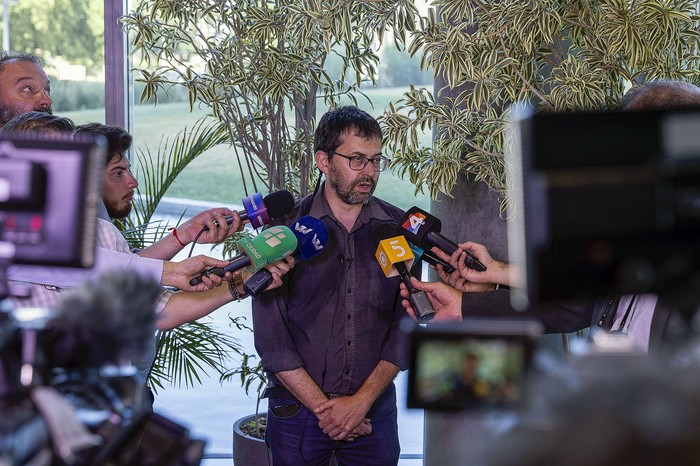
[(394, 351), (556, 317), (105, 259), (273, 342), (165, 296)]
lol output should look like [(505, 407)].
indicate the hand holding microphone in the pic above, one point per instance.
[(395, 258), (498, 274), (312, 236), (271, 245), (261, 211)]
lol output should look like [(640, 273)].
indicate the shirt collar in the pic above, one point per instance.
[(370, 211)]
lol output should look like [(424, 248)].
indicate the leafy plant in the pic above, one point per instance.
[(579, 55), (258, 65), (186, 351), (250, 375)]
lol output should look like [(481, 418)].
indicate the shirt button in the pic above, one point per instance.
[(347, 372), (349, 342), (349, 317), (349, 291)]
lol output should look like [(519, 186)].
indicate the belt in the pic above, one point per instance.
[(279, 391)]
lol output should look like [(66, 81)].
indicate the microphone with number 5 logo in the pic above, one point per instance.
[(395, 257)]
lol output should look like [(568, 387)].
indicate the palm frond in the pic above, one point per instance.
[(190, 350), (160, 170)]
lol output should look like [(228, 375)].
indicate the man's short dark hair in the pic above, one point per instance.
[(38, 122), (337, 121), (6, 57), (661, 94), (118, 139)]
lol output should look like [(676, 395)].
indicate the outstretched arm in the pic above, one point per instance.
[(217, 230), (466, 279)]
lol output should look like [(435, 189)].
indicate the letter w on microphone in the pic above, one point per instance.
[(393, 250)]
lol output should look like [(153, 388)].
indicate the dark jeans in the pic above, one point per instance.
[(298, 440)]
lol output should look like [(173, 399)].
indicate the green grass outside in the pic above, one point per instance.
[(214, 175)]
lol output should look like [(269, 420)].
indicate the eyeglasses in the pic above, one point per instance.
[(358, 163)]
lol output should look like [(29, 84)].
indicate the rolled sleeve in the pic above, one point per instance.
[(273, 342)]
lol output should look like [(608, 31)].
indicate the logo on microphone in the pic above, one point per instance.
[(302, 229), (272, 236), (316, 243), (414, 222), (391, 251)]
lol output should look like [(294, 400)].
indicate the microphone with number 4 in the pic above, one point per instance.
[(395, 258), (312, 236), (261, 211), (423, 230), (271, 245)]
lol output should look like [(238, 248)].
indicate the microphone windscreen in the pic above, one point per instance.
[(312, 235), (270, 245), (279, 203), (383, 231), (105, 322), (416, 224)]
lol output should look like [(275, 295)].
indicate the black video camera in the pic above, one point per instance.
[(475, 364), (67, 392)]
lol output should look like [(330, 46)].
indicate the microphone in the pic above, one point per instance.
[(312, 236), (261, 211), (395, 258), (431, 259), (271, 245), (423, 230)]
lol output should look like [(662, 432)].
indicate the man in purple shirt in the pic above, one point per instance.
[(329, 337)]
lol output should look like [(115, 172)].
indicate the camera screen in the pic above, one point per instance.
[(466, 367), (48, 209)]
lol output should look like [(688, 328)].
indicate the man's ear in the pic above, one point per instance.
[(322, 161)]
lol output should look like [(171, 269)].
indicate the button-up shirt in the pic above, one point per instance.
[(336, 315)]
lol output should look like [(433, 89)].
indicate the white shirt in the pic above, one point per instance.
[(638, 323)]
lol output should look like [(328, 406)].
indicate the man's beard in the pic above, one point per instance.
[(347, 195), (8, 113), (115, 211)]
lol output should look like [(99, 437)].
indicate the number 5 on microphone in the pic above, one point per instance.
[(391, 251)]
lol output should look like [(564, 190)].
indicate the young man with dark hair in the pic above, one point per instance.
[(329, 337)]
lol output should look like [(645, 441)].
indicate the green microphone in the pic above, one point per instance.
[(271, 245)]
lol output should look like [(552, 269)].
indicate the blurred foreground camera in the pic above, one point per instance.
[(69, 393), (474, 364)]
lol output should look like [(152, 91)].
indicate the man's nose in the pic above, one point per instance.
[(132, 182), (44, 100)]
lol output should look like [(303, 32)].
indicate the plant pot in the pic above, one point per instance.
[(248, 450)]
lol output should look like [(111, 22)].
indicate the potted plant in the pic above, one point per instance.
[(249, 448), (260, 68)]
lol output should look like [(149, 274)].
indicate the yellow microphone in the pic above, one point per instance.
[(395, 258)]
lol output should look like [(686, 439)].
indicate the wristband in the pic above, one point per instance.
[(174, 230), (233, 287)]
